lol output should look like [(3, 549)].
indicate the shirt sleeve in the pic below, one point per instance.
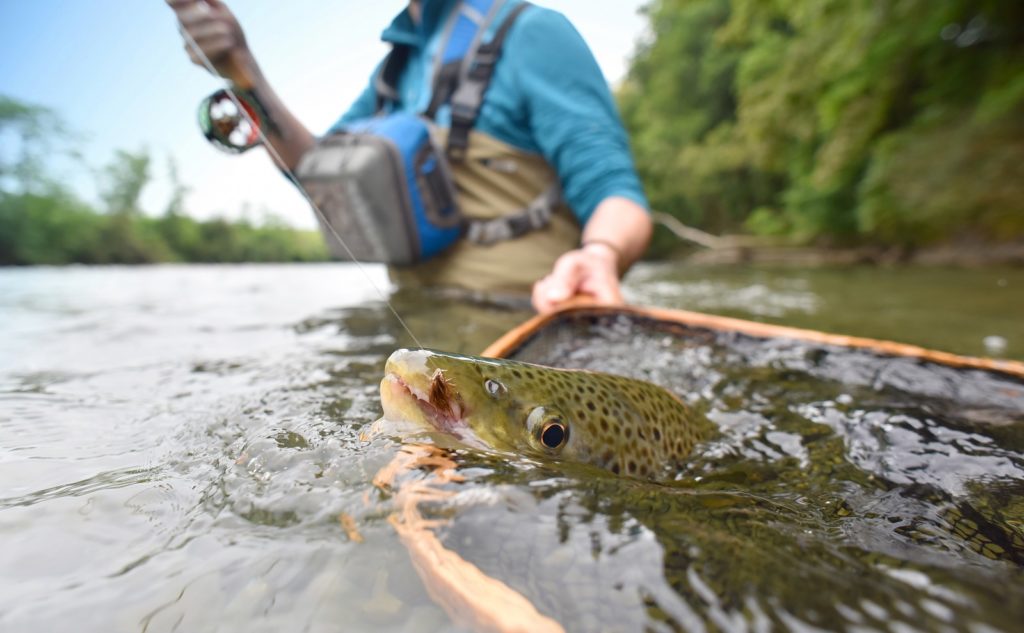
[(571, 112)]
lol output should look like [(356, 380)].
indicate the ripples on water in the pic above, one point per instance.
[(177, 445)]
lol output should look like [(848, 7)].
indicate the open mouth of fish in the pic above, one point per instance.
[(439, 406)]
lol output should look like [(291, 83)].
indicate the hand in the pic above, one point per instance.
[(219, 36), (592, 270)]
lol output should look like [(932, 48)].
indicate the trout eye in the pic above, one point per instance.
[(548, 427), (495, 388), (554, 434)]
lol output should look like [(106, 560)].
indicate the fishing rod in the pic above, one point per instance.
[(223, 125)]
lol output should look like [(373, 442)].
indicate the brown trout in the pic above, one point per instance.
[(627, 426)]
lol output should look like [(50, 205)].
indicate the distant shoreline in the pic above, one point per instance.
[(956, 256), (960, 256)]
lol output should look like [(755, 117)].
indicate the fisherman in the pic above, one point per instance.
[(547, 116)]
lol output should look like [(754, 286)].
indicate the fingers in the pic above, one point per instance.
[(605, 290), (195, 20), (209, 29), (577, 273), (200, 17), (190, 12), (210, 26), (542, 298), (562, 283)]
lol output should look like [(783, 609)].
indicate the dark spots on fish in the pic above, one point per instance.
[(628, 427)]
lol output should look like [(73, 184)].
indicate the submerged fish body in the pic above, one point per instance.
[(625, 425)]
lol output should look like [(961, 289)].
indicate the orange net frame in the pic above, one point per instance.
[(515, 338)]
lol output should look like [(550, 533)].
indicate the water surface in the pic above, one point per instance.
[(177, 445)]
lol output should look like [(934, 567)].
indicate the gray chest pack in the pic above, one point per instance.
[(385, 186)]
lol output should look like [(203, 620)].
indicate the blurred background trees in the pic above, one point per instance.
[(43, 222), (897, 123)]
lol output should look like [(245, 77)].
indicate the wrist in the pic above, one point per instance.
[(241, 69), (604, 249)]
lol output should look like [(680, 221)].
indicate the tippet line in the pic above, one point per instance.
[(284, 167)]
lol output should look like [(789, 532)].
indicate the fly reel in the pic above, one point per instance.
[(231, 120)]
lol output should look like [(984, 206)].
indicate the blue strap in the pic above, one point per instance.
[(461, 32), (475, 77), (469, 17)]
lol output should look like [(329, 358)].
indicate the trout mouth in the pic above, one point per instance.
[(438, 404)]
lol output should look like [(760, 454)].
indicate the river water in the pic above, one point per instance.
[(178, 443)]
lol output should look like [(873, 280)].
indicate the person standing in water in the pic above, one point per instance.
[(547, 116)]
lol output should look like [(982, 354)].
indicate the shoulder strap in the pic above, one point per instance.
[(386, 81), (474, 79), (462, 71), (461, 40)]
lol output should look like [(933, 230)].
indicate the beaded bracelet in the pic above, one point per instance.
[(608, 243)]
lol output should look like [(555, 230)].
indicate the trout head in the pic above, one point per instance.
[(486, 403), (624, 425)]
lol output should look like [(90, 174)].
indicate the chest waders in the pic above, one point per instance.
[(454, 207)]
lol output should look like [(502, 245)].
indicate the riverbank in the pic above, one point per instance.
[(975, 255)]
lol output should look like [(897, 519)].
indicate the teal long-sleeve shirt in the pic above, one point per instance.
[(547, 96)]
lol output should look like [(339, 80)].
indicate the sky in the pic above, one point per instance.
[(117, 73)]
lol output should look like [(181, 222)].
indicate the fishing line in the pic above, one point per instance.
[(192, 44)]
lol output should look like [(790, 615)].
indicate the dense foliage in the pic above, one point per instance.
[(42, 222), (837, 121)]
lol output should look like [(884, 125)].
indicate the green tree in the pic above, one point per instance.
[(124, 178), (839, 121), (28, 134), (52, 228), (42, 222)]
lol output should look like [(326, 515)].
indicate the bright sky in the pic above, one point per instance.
[(116, 71)]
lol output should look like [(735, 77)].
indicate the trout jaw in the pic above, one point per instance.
[(439, 407)]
